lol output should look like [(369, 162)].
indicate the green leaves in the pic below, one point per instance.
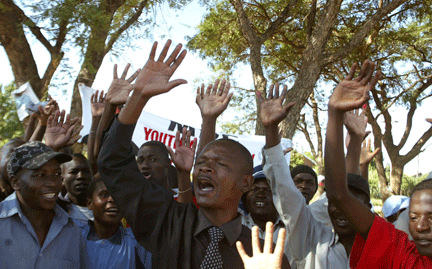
[(10, 126)]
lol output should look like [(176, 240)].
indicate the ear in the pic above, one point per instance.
[(248, 181), (90, 204), (14, 180)]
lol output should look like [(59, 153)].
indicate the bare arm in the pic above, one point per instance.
[(211, 102), (31, 126), (183, 159), (366, 156), (97, 108), (356, 124), (349, 94)]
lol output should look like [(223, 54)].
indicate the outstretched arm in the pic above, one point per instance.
[(349, 94), (183, 159), (152, 80), (98, 104), (211, 102)]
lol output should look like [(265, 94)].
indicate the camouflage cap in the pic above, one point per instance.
[(33, 155)]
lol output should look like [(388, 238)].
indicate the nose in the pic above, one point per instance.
[(422, 225), (110, 199), (206, 169)]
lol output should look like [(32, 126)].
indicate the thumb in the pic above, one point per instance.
[(175, 83)]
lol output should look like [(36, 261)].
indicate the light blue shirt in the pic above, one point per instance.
[(64, 247), (120, 251)]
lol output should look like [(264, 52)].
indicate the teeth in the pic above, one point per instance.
[(49, 195), (260, 204)]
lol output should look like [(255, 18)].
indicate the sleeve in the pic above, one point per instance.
[(386, 247), (303, 231), (144, 204), (84, 259)]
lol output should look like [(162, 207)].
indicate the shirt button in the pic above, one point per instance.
[(8, 242)]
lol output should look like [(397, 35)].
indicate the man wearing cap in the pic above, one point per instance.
[(258, 203), (31, 223), (393, 206)]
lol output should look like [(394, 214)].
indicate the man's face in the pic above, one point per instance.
[(305, 183), (38, 189), (153, 164), (77, 177), (259, 200), (105, 211), (420, 224), (341, 224), (218, 179)]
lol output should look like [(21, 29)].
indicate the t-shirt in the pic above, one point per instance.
[(386, 247)]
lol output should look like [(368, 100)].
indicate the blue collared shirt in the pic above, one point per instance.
[(120, 251), (64, 247)]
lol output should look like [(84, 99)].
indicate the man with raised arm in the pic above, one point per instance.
[(312, 243), (178, 235), (378, 244)]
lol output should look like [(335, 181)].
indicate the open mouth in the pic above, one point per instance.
[(112, 211), (423, 242), (50, 195), (341, 221), (205, 185), (146, 174), (260, 204), (81, 186)]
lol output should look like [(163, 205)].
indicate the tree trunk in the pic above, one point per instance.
[(14, 41)]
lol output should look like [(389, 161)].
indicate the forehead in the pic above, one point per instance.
[(261, 182), (149, 151), (77, 161), (219, 151), (305, 176), (421, 201)]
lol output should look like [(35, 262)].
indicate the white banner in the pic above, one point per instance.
[(151, 127)]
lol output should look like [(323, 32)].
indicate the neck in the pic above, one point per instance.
[(347, 241), (219, 217), (81, 201), (261, 220), (105, 231)]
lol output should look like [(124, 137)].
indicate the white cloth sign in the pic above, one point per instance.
[(23, 96), (151, 127)]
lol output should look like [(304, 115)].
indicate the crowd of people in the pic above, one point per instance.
[(113, 206)]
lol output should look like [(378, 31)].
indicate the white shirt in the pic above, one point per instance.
[(312, 244)]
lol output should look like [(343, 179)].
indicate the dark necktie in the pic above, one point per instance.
[(213, 258)]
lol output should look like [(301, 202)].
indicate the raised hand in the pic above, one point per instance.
[(154, 77), (265, 259), (213, 101), (97, 104), (273, 109), (366, 154), (44, 113), (60, 131), (353, 93), (183, 157), (120, 88)]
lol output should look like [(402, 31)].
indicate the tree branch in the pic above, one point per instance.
[(277, 23), (364, 31)]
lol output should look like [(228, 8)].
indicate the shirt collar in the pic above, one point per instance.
[(11, 206), (231, 229), (116, 239)]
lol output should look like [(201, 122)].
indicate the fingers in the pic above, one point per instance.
[(256, 249), (280, 243), (268, 242), (101, 97), (242, 252), (369, 73), (375, 79), (351, 72), (164, 51), (115, 71), (134, 76), (125, 71), (153, 51), (276, 91), (215, 87), (363, 70), (223, 87), (179, 60), (375, 152), (287, 107), (177, 140), (62, 117), (270, 94), (429, 120)]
